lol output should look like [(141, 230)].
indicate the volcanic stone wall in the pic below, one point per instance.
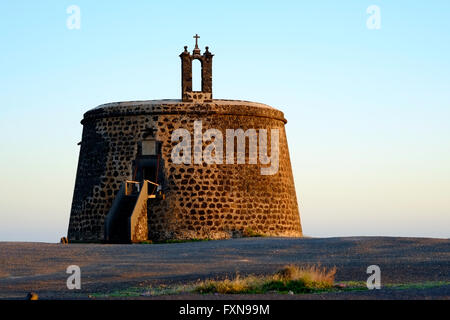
[(202, 201)]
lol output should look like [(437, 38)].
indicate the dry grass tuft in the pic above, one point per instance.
[(290, 278), (229, 286), (313, 276)]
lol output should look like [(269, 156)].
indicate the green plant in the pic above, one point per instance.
[(250, 233)]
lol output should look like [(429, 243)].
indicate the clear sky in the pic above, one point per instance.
[(368, 109)]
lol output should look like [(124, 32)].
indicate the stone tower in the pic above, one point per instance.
[(193, 168)]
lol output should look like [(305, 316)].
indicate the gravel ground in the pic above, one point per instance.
[(41, 267)]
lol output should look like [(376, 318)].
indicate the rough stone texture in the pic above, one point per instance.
[(202, 201), (140, 232)]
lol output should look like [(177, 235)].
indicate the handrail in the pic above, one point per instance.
[(128, 190), (155, 184)]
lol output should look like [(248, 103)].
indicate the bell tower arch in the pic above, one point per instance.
[(187, 93)]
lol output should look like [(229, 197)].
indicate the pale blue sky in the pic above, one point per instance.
[(368, 110)]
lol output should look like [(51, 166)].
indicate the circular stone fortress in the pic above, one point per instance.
[(195, 168)]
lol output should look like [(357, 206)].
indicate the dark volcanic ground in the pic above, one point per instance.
[(41, 268)]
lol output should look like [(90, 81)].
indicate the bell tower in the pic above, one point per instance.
[(187, 94)]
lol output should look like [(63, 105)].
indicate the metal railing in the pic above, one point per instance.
[(137, 221)]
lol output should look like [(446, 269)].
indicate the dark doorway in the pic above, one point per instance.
[(147, 169)]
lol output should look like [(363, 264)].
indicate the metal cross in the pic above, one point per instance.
[(196, 37)]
